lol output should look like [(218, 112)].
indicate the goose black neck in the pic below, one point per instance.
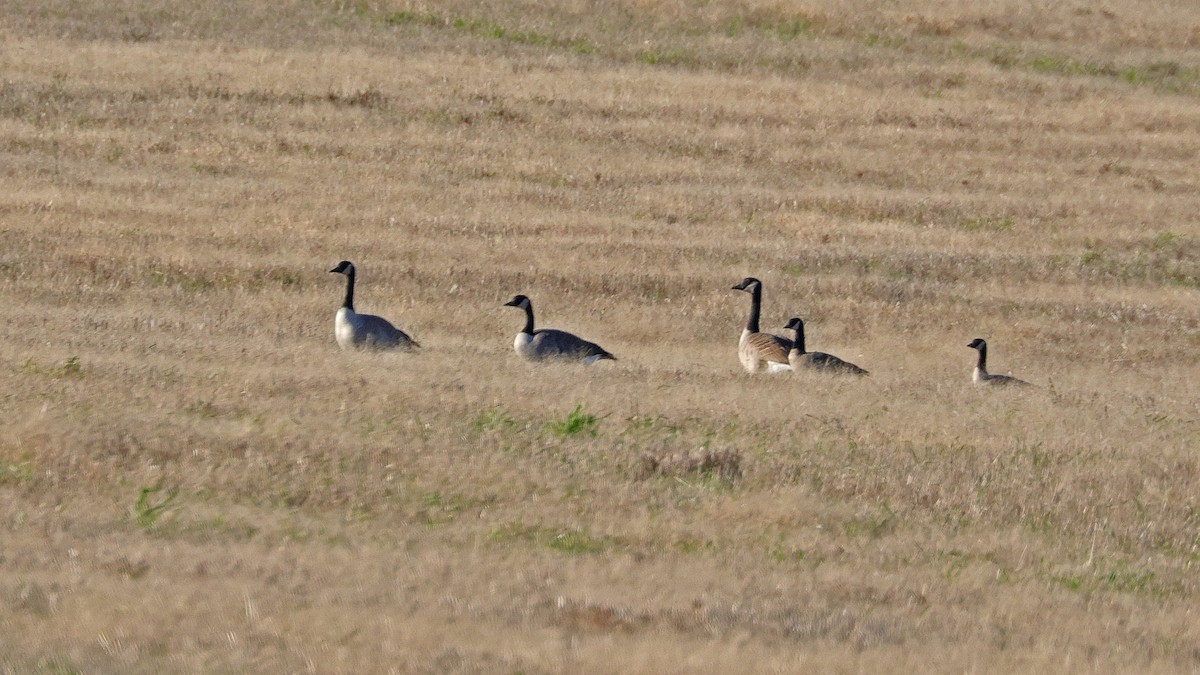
[(348, 303), (799, 343), (528, 318), (982, 362), (755, 307)]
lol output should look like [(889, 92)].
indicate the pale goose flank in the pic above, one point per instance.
[(760, 352), (827, 363), (547, 343), (364, 331), (981, 375)]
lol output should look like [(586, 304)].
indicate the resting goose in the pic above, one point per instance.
[(364, 331), (548, 343), (757, 351), (981, 375), (827, 363)]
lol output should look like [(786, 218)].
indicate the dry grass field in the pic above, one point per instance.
[(193, 478)]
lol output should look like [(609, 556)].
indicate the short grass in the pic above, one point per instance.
[(194, 478)]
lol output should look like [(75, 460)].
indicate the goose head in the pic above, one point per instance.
[(794, 324), (977, 343), (518, 301), (344, 267), (749, 284)]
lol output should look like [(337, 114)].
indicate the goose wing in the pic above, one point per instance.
[(768, 347), (831, 363), (552, 343), (378, 332)]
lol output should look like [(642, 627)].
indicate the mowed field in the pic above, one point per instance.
[(193, 478)]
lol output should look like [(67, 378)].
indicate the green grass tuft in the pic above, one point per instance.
[(147, 514), (577, 423)]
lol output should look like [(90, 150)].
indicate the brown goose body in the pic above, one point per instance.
[(760, 352)]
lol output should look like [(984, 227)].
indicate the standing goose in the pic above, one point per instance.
[(548, 343), (981, 375), (757, 351), (364, 331), (828, 363)]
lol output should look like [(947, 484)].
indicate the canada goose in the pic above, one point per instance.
[(981, 375), (816, 360), (364, 331), (760, 351), (548, 343)]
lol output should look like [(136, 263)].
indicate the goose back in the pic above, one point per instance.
[(548, 343), (368, 331), (823, 362)]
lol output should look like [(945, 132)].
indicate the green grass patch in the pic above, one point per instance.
[(71, 368), (884, 41), (1127, 581), (1167, 75), (689, 545), (669, 56), (1119, 579), (1164, 259), (781, 553), (578, 422), (1064, 65), (792, 28), (145, 512), (1071, 582), (488, 29), (493, 418), (405, 18), (1163, 240), (16, 473), (575, 542)]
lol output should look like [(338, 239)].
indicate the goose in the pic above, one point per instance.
[(757, 351), (981, 375), (828, 363), (548, 343), (364, 331)]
